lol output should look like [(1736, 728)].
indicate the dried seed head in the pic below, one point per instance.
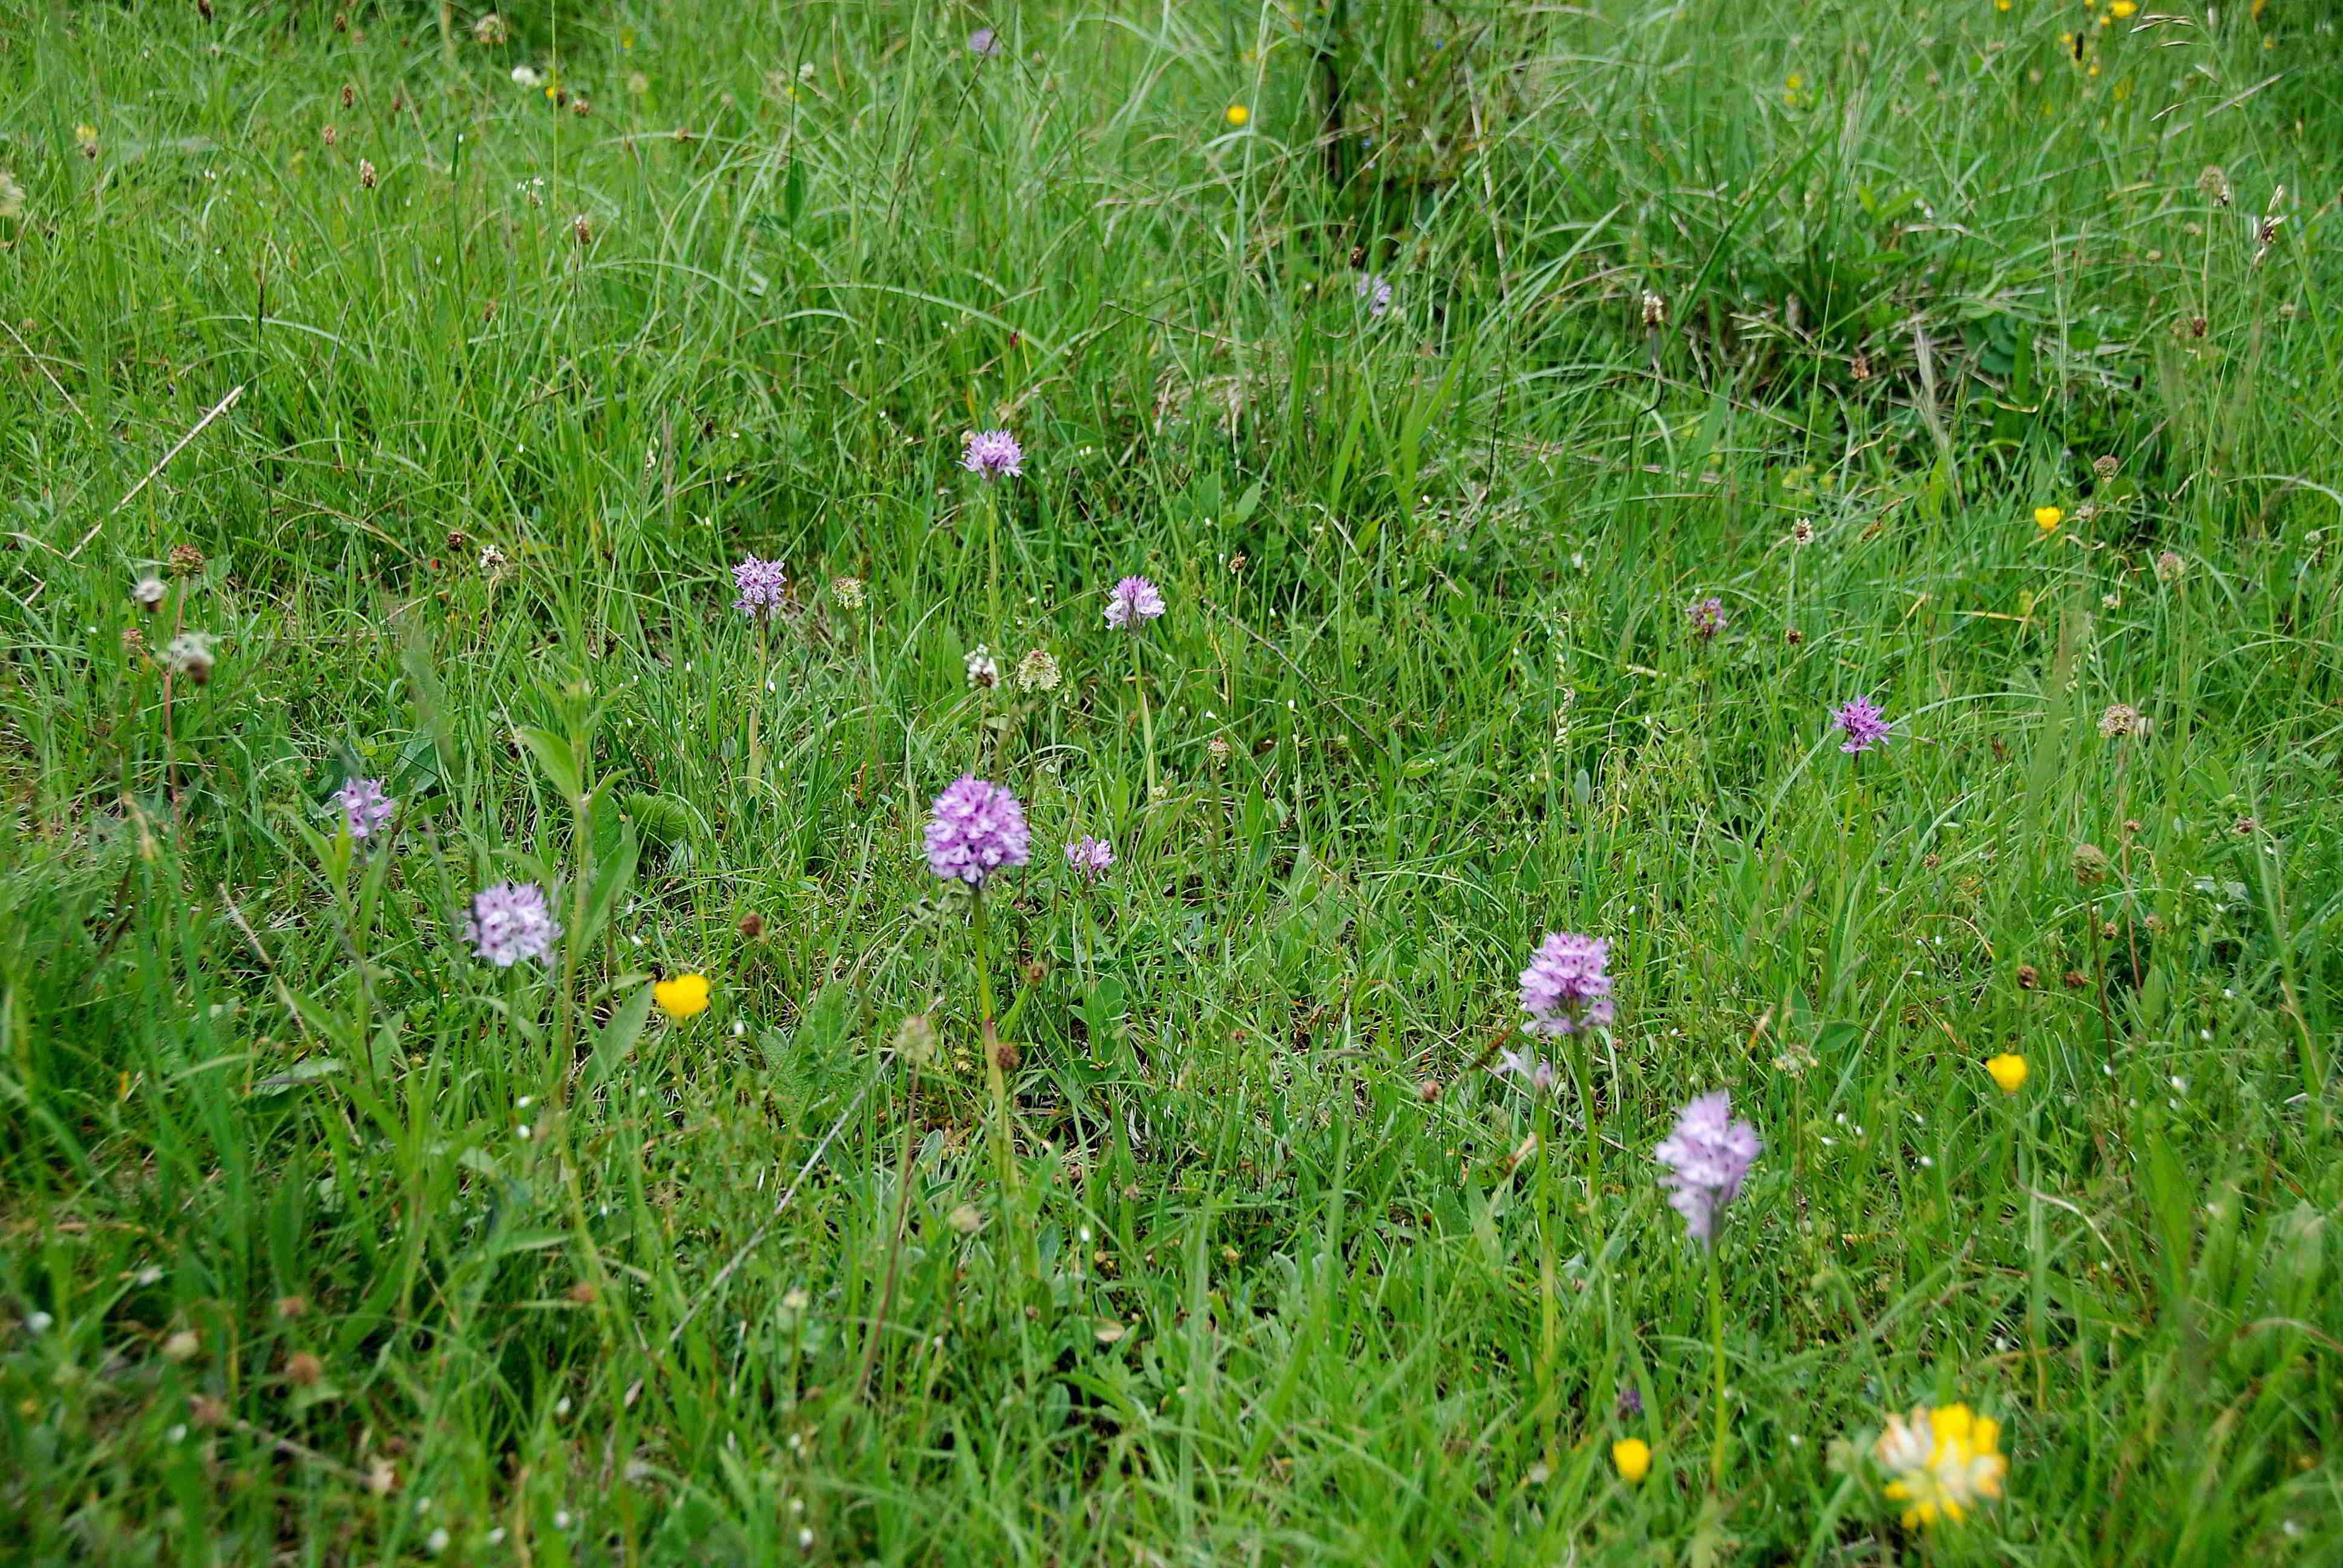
[(291, 1307), (752, 925), (1038, 671), (349, 95), (580, 230), (1656, 309), (303, 1370), (1860, 366), (2028, 977), (2169, 567), (2214, 184), (2074, 980), (2121, 720), (190, 654), (2104, 468), (915, 1039), (330, 135), (186, 560), (583, 1294), (366, 173), (2090, 864), (1803, 531)]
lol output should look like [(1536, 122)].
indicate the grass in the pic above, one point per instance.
[(445, 409)]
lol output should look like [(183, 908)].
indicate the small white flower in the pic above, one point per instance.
[(527, 76)]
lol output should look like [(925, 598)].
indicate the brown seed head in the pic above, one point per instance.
[(2028, 977), (303, 1370), (752, 925)]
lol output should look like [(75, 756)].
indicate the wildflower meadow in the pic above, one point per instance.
[(1206, 783)]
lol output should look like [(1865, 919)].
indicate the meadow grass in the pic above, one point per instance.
[(323, 1241)]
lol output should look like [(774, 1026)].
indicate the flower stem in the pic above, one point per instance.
[(756, 712), (1146, 721), (992, 559), (1004, 1154), (1717, 1344)]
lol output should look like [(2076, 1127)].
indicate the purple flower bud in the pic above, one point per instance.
[(977, 830), (1566, 989), (1864, 724), (364, 807), (1090, 856), (760, 584), (509, 922), (1707, 1155), (993, 453), (1131, 603), (1707, 616)]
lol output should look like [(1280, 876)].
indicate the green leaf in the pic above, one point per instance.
[(556, 759), (616, 1039), (300, 1073), (611, 879)]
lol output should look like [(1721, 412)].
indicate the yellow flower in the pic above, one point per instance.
[(1238, 113), (2047, 517), (2001, 4), (1793, 81), (86, 134), (1633, 1455), (2122, 8), (685, 996), (2008, 1070), (1944, 1462)]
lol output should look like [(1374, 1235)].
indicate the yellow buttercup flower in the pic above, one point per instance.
[(2008, 1070), (2122, 8), (2048, 518), (1633, 1455), (1238, 113), (685, 996), (1943, 1462)]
